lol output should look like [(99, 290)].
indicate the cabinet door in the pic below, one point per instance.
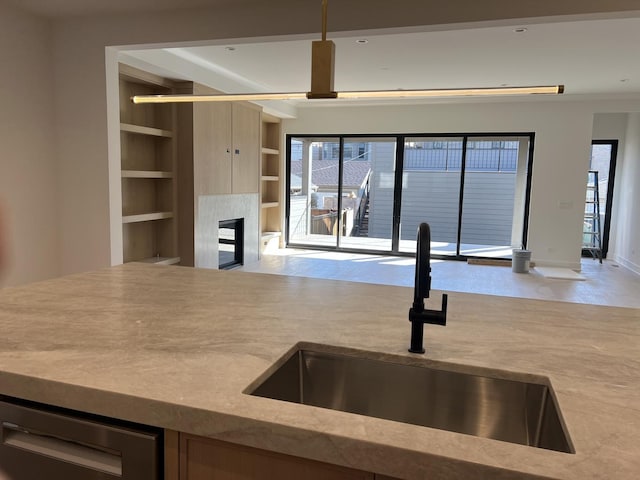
[(212, 170), (246, 149), (206, 459)]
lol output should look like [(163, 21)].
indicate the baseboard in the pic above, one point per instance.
[(559, 264), (495, 262), (628, 264)]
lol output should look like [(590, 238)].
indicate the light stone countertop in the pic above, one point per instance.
[(175, 347)]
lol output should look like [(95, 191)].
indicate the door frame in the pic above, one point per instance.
[(606, 227), (397, 201)]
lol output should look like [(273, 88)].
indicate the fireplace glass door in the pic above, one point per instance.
[(230, 243)]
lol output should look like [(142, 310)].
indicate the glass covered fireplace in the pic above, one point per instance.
[(230, 243)]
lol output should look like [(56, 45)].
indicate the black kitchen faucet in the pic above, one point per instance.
[(418, 316)]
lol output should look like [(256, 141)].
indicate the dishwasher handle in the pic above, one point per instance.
[(38, 443)]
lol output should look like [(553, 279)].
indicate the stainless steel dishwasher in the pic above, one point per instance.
[(44, 443)]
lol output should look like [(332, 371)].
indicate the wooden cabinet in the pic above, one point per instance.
[(271, 183), (148, 170), (190, 457), (219, 154), (207, 459), (212, 143), (245, 145), (226, 144), (217, 151)]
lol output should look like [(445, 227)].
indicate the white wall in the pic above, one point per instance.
[(610, 126), (626, 242), (28, 192)]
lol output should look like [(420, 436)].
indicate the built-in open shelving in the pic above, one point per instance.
[(148, 170), (271, 184)]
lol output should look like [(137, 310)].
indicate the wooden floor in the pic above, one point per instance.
[(605, 284)]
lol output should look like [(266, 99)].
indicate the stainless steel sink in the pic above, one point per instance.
[(516, 408)]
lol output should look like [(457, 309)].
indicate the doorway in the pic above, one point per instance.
[(603, 160)]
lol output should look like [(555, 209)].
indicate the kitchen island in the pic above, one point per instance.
[(176, 347)]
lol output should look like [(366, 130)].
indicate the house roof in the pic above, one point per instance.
[(325, 172)]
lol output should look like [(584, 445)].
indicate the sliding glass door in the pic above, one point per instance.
[(368, 179), (370, 193), (314, 179), (494, 194), (431, 179)]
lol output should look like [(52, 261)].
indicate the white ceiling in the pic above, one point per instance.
[(598, 57), (593, 57)]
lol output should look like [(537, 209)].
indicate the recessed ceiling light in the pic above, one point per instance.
[(362, 41), (520, 30)]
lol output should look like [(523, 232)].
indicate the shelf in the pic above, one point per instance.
[(269, 240), (146, 217), (154, 132), (269, 235), (161, 260), (146, 174), (270, 178), (270, 151), (269, 204)]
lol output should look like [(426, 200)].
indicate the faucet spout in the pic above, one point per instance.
[(423, 267), (418, 316)]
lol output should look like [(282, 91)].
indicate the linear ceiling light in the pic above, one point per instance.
[(377, 94), (322, 76)]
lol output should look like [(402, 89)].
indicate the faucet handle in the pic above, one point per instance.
[(441, 316), (434, 317)]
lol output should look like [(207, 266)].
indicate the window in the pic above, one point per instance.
[(372, 194)]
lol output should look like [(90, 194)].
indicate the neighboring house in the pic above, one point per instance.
[(324, 175)]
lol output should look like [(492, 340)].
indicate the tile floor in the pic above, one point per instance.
[(606, 284)]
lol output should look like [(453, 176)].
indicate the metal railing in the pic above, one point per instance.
[(362, 207)]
